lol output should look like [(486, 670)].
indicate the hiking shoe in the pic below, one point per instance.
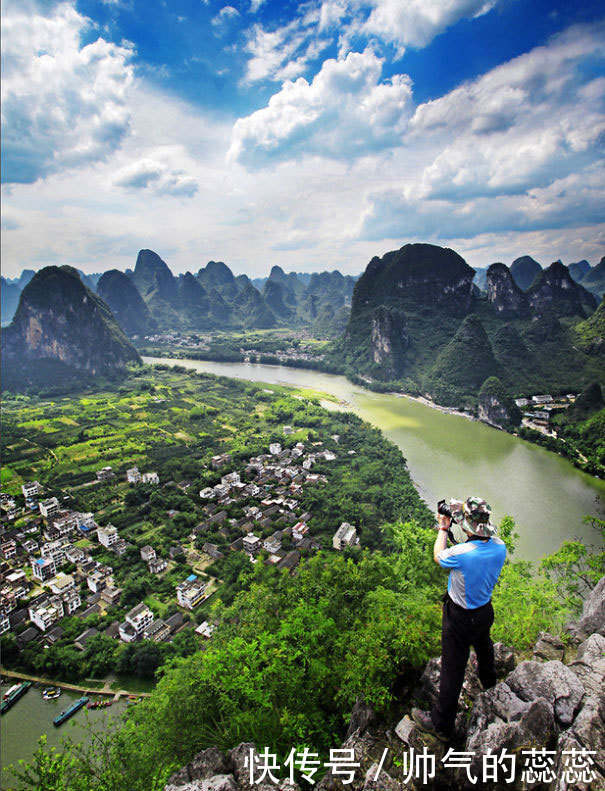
[(424, 721)]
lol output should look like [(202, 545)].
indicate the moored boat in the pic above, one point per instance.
[(65, 715), (51, 693), (99, 704), (10, 691), (15, 695)]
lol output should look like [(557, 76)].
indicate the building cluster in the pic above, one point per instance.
[(134, 476), (272, 494), (538, 409), (45, 576), (307, 353)]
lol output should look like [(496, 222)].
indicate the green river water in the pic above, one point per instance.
[(448, 456)]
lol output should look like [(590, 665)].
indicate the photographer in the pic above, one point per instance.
[(475, 563)]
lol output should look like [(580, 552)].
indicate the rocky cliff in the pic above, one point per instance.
[(542, 727), (59, 319), (400, 300), (554, 289), (502, 291), (496, 406)]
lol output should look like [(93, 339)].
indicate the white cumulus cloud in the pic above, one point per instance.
[(518, 148), (150, 173), (345, 111), (63, 104), (416, 22)]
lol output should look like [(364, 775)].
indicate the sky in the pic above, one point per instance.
[(311, 135)]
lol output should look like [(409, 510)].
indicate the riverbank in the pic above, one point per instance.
[(446, 410), (558, 446), (88, 689)]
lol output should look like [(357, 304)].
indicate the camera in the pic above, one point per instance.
[(453, 509)]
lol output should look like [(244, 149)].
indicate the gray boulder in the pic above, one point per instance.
[(589, 728), (593, 613), (496, 705), (207, 763), (554, 682), (362, 716), (591, 780), (239, 759), (534, 728), (384, 782), (549, 647), (504, 659), (589, 664)]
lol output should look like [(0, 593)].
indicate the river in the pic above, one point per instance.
[(452, 457), (30, 717)]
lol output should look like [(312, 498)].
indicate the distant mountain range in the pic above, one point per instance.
[(416, 318), (215, 298), (151, 299)]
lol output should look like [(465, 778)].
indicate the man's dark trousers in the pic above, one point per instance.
[(460, 630)]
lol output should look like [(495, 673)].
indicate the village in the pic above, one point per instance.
[(538, 409), (48, 569)]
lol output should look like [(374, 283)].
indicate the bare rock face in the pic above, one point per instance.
[(554, 682), (206, 764), (549, 647), (593, 613), (502, 291), (535, 726), (60, 320), (388, 339)]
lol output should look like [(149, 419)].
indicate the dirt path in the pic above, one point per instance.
[(105, 690)]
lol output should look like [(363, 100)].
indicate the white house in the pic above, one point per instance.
[(252, 544), (345, 536), (133, 475), (43, 568), (151, 477), (71, 601), (62, 583), (107, 535), (30, 489), (49, 507), (191, 592), (135, 623), (274, 448), (45, 614), (230, 479)]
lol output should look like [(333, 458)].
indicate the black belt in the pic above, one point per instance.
[(447, 599)]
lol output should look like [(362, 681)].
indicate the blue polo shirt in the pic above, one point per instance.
[(475, 568)]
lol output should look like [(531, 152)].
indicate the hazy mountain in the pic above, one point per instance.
[(127, 305), (594, 280), (525, 270), (9, 294), (579, 269)]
